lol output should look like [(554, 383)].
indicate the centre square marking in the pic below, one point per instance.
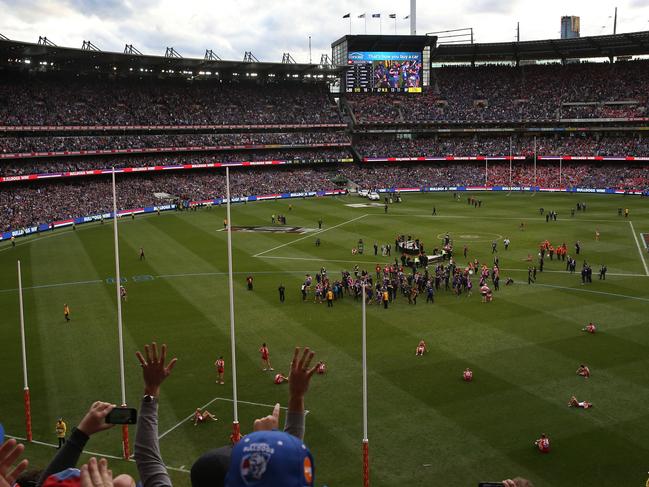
[(272, 229), (475, 237)]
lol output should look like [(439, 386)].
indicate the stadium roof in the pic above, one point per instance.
[(386, 42), (90, 60), (635, 43)]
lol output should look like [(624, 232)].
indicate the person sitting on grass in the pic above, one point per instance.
[(590, 328), (574, 403), (421, 348), (543, 444), (467, 375), (280, 379), (583, 371), (203, 416), (320, 368)]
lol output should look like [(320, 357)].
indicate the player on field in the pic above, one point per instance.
[(543, 444), (265, 357), (142, 254), (220, 369), (280, 379), (203, 416), (122, 293), (320, 368), (590, 328), (421, 348), (574, 403), (66, 312), (467, 375), (584, 371)]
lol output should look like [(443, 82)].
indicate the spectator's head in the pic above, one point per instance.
[(211, 467), (270, 459)]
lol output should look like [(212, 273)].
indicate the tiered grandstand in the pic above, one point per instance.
[(170, 125)]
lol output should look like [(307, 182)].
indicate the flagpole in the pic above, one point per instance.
[(366, 462), (120, 333), (27, 399), (510, 163), (535, 183), (236, 431)]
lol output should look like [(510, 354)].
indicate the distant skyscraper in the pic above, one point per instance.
[(569, 27)]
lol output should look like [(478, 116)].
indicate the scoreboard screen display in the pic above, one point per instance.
[(387, 72)]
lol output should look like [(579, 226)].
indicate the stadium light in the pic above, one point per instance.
[(27, 61)]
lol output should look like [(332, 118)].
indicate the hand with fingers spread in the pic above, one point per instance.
[(95, 419), (10, 451), (270, 422), (96, 474), (154, 369), (299, 378)]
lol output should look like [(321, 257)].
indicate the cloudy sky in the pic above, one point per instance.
[(270, 27)]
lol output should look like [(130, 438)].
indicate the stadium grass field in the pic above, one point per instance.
[(426, 426)]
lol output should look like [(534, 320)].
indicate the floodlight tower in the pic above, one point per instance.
[(413, 17)]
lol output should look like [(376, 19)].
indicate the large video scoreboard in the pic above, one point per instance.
[(380, 71)]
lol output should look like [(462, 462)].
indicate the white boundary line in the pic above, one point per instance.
[(310, 235), (480, 217), (616, 295), (635, 237), (88, 452)]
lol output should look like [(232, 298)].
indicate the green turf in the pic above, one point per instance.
[(426, 426)]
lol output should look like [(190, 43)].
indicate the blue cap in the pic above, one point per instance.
[(2, 434), (270, 459)]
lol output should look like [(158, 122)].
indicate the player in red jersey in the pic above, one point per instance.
[(220, 369), (543, 444), (280, 379), (203, 416), (320, 368), (590, 328), (265, 357), (574, 403), (421, 348), (584, 371), (467, 375)]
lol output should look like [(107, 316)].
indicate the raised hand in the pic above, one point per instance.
[(96, 474), (95, 419), (299, 377), (10, 451), (270, 422), (154, 369)]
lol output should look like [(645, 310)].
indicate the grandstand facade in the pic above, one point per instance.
[(449, 116)]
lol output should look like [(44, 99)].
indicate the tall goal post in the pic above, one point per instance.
[(366, 446), (126, 451), (236, 430), (26, 395)]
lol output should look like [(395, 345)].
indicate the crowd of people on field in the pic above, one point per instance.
[(18, 145), (509, 93), (50, 99)]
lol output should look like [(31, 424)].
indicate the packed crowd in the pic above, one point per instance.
[(507, 93), (16, 145), (27, 204), (44, 99), (499, 146), (619, 176), (54, 165), (24, 205)]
